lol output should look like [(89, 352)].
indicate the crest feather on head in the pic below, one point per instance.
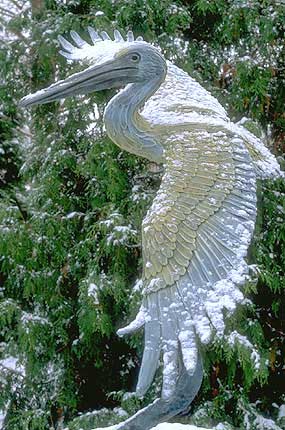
[(103, 46)]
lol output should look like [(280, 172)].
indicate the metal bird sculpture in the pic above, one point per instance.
[(197, 231)]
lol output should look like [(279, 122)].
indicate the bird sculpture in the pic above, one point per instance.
[(196, 234)]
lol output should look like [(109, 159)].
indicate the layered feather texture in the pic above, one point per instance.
[(195, 239)]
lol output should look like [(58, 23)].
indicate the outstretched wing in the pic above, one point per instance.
[(195, 239), (196, 225)]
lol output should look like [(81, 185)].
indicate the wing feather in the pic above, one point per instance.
[(200, 225)]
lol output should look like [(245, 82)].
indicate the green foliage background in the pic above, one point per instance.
[(72, 204)]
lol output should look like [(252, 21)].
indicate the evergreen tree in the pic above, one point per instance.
[(72, 204)]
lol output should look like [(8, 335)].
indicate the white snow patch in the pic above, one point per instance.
[(93, 292), (120, 412), (163, 426), (173, 426), (71, 215), (12, 364)]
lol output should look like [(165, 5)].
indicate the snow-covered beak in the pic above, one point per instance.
[(113, 73)]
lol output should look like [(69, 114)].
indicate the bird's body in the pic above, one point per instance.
[(197, 231)]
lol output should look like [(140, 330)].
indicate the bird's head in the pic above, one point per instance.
[(112, 64)]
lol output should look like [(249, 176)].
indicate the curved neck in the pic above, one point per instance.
[(124, 124)]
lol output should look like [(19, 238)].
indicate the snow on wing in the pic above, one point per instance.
[(196, 233)]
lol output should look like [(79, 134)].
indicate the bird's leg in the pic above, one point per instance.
[(162, 410)]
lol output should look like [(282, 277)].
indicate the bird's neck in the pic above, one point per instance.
[(124, 124)]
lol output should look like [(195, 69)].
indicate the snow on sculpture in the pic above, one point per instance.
[(197, 231)]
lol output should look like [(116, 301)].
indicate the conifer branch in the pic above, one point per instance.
[(22, 211)]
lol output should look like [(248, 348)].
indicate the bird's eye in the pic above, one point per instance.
[(135, 58)]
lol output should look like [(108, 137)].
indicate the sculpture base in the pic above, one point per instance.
[(162, 410)]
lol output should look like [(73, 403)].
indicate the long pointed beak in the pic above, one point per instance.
[(110, 74)]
